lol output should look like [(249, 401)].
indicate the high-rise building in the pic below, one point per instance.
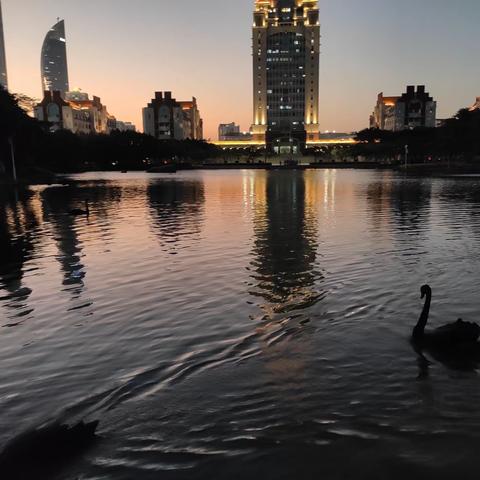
[(415, 108), (3, 60), (54, 60), (166, 118), (286, 56)]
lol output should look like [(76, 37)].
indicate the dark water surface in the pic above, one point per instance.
[(239, 325)]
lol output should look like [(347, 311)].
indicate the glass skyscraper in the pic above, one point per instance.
[(54, 60), (3, 61), (286, 54)]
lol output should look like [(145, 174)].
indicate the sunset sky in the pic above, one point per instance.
[(124, 50)]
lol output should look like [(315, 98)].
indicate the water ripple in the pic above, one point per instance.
[(238, 324)]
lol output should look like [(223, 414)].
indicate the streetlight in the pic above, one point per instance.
[(406, 156), (12, 154)]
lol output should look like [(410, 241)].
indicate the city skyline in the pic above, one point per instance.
[(368, 48)]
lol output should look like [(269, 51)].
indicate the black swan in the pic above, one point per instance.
[(78, 211), (454, 336)]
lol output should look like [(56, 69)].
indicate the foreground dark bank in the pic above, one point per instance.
[(241, 324), (41, 453)]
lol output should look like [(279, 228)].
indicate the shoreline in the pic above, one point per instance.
[(412, 169)]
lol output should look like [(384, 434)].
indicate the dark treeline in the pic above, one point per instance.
[(36, 149), (64, 151), (458, 139), (17, 129)]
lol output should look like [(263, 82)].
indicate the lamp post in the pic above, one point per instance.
[(12, 154), (406, 156)]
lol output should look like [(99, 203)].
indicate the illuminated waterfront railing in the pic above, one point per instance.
[(255, 143)]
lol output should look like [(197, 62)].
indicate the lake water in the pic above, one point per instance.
[(242, 325)]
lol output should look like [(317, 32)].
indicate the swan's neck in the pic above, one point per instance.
[(419, 329)]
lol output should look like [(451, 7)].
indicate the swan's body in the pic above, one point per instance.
[(76, 212), (454, 336)]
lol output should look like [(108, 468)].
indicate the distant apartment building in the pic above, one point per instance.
[(60, 115), (476, 105), (76, 112), (227, 130), (166, 118), (231, 132), (54, 68), (125, 126), (101, 120), (415, 108), (336, 136), (3, 60)]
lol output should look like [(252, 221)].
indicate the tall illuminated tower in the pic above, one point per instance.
[(286, 58), (3, 61), (54, 60)]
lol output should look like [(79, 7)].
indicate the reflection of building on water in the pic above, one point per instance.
[(176, 209), (284, 272), (20, 219), (410, 202), (379, 201), (58, 201), (399, 209), (68, 229), (286, 241)]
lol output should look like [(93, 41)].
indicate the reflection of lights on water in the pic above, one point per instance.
[(253, 187), (245, 188), (330, 177)]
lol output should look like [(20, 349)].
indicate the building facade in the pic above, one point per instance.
[(414, 109), (230, 132), (193, 122), (61, 115), (165, 118), (286, 56), (3, 59), (54, 64), (125, 126), (100, 120), (76, 112)]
